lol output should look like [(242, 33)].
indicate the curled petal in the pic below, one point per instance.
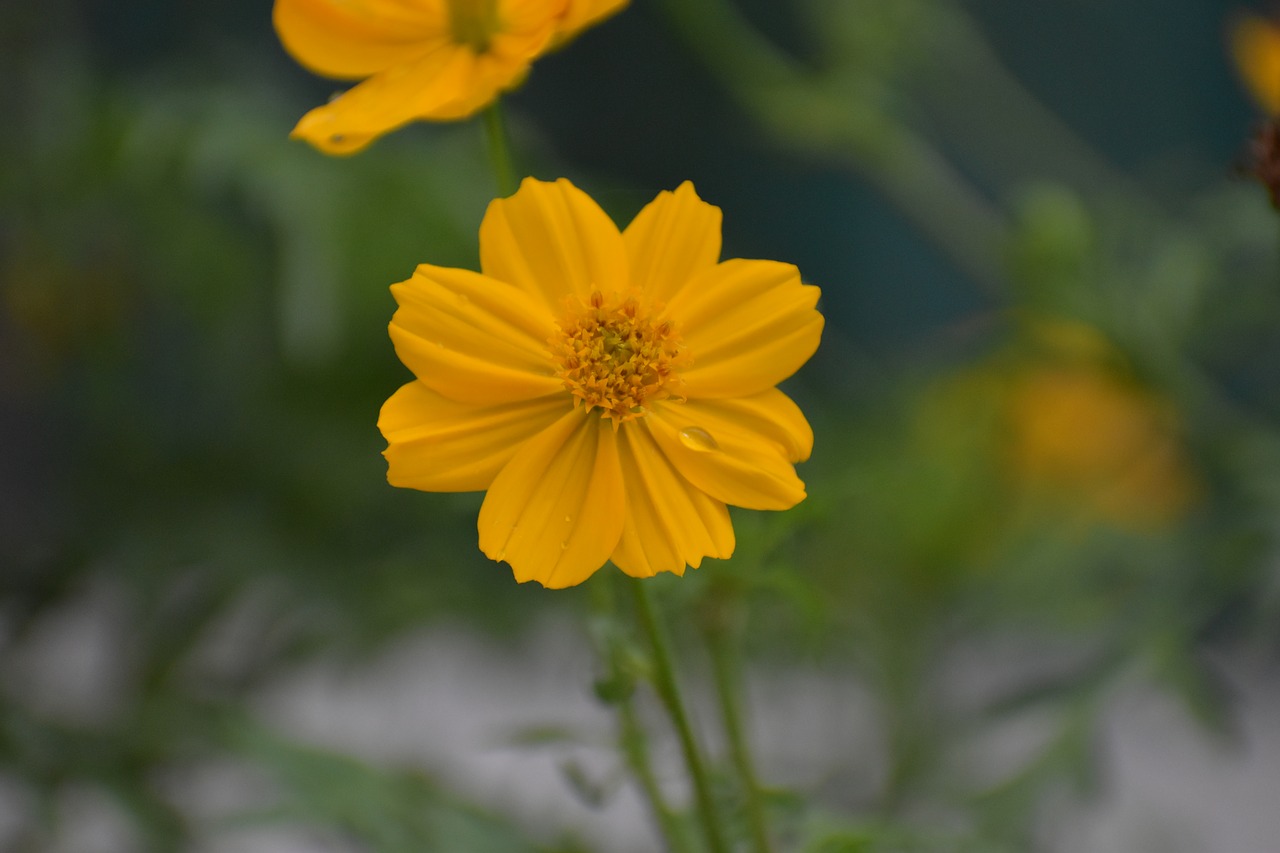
[(555, 511), (436, 60), (669, 523), (448, 81), (748, 324), (472, 339), (439, 445), (725, 458), (675, 236), (551, 241), (350, 40)]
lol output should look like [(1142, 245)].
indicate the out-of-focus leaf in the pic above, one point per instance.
[(397, 811), (592, 791)]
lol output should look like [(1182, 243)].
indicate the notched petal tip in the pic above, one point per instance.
[(749, 323), (437, 444), (674, 238), (670, 523), (551, 240), (737, 466), (555, 512)]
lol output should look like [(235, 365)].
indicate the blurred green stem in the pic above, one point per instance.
[(632, 739), (504, 172), (669, 692), (999, 127), (807, 113), (635, 747), (721, 628)]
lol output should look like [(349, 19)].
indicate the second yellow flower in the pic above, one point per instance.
[(437, 60)]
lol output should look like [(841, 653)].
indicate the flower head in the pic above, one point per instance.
[(437, 60), (612, 391), (1080, 429), (1255, 44)]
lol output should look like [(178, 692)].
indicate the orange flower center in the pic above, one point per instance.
[(473, 22), (609, 353)]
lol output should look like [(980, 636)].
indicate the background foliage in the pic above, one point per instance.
[(1046, 404)]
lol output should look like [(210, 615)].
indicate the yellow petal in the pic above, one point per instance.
[(1255, 42), (527, 26), (585, 13), (721, 455), (473, 339), (350, 40), (526, 30), (439, 445), (769, 415), (669, 523), (554, 513), (551, 240), (747, 324), (674, 237), (447, 81)]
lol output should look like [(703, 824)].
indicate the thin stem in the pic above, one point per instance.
[(504, 172), (632, 740), (635, 747), (992, 119), (718, 625), (813, 115), (669, 693)]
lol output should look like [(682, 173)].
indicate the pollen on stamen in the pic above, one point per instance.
[(610, 355)]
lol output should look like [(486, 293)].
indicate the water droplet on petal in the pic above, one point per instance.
[(568, 518), (697, 438), (564, 546)]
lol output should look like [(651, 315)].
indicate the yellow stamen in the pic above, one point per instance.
[(611, 354)]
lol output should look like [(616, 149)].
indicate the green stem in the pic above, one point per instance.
[(504, 172), (632, 739), (719, 622), (989, 118), (635, 747), (669, 693), (817, 116)]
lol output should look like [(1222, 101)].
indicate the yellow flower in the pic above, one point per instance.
[(438, 60), (612, 391), (1078, 428), (1255, 43)]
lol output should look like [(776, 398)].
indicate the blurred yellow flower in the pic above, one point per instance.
[(1255, 43), (612, 391), (1079, 431), (438, 60)]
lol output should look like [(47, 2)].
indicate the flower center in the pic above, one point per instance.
[(609, 353), (473, 22)]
